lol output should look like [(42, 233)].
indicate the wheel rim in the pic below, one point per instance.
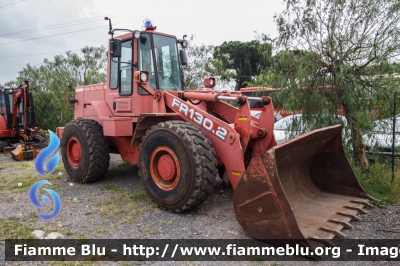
[(165, 168), (74, 152)]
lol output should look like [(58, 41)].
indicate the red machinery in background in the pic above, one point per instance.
[(17, 123)]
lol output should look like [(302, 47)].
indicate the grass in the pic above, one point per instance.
[(139, 195), (111, 187), (13, 230), (19, 182), (127, 206), (23, 176), (66, 232), (123, 164), (124, 263), (33, 215), (377, 182), (59, 168), (119, 205)]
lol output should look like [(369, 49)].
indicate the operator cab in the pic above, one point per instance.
[(156, 53), (7, 109), (6, 98), (2, 101)]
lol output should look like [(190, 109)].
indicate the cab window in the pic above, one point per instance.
[(145, 61), (168, 72), (125, 70), (114, 73), (2, 103)]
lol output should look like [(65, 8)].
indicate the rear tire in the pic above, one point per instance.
[(85, 151), (177, 165)]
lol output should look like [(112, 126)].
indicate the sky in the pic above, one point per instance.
[(32, 30)]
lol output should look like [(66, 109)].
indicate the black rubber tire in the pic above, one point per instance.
[(40, 139), (3, 144), (95, 157), (197, 165)]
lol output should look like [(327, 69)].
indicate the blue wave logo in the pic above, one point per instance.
[(45, 153), (35, 201)]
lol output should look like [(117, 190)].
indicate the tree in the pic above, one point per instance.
[(349, 45), (246, 58), (51, 81), (194, 72), (201, 64), (282, 70)]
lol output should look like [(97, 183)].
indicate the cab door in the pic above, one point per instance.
[(121, 80)]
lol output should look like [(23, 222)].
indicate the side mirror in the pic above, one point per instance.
[(115, 47), (183, 56)]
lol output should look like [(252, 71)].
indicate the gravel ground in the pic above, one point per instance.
[(117, 208)]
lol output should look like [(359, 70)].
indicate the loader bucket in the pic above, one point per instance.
[(303, 190)]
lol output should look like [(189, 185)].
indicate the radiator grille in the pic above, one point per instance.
[(123, 105)]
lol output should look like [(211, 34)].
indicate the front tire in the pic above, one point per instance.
[(85, 151), (177, 165)]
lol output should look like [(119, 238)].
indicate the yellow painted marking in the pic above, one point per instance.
[(236, 173)]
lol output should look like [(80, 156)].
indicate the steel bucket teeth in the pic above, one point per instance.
[(303, 189)]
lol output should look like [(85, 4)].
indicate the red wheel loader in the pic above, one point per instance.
[(303, 190), (18, 128)]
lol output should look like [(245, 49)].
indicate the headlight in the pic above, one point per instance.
[(143, 77), (209, 82), (184, 43), (136, 34)]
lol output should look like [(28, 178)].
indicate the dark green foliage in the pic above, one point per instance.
[(51, 80), (246, 58), (378, 183)]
